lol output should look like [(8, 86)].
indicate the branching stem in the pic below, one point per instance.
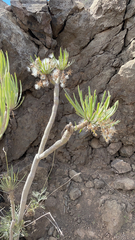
[(39, 156), (51, 120)]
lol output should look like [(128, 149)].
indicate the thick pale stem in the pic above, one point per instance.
[(27, 186), (51, 120), (36, 160), (81, 126), (11, 197), (66, 136)]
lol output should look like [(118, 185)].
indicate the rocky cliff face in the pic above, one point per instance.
[(100, 37)]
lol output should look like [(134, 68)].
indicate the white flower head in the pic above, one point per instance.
[(55, 74), (43, 77), (34, 72), (37, 87), (46, 83), (62, 85), (51, 55), (66, 77), (28, 69), (32, 65)]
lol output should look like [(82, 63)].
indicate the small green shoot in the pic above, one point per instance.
[(36, 201), (62, 62), (5, 222)]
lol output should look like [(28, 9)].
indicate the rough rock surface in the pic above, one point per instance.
[(126, 151), (34, 18), (89, 184), (114, 147), (75, 193), (120, 166), (99, 36), (95, 143), (77, 178), (3, 4), (98, 183), (19, 48), (124, 184), (113, 216)]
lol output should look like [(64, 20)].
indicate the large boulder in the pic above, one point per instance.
[(81, 27), (2, 4), (113, 216), (18, 45), (25, 127), (34, 17), (122, 88)]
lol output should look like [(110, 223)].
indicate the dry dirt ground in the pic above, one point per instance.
[(97, 204)]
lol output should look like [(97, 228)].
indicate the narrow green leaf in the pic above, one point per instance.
[(89, 91), (106, 104), (81, 98), (91, 107), (78, 106), (103, 98)]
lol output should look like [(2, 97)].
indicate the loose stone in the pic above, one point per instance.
[(120, 166), (99, 183), (50, 232), (95, 143), (114, 147), (126, 151), (77, 178), (75, 193), (113, 216), (89, 184), (124, 184)]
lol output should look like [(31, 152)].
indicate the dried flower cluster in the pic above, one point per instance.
[(50, 70), (106, 130)]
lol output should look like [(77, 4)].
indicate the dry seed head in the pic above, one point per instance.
[(108, 132), (93, 128), (69, 72), (43, 77), (45, 83), (106, 129), (55, 74), (63, 79)]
